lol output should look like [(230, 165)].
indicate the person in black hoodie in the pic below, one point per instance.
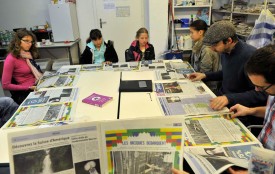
[(97, 51), (140, 48)]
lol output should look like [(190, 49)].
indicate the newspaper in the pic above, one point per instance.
[(51, 96), (262, 161), (41, 114), (215, 130), (91, 67), (69, 70), (134, 66), (120, 66), (57, 81), (187, 105), (216, 159), (167, 88), (65, 149), (150, 65), (128, 146)]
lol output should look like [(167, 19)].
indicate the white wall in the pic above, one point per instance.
[(158, 25), (26, 13)]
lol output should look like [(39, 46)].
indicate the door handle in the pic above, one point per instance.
[(102, 22)]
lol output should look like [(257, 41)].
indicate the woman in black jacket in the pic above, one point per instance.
[(140, 48), (97, 51)]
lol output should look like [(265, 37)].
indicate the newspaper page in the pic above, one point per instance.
[(120, 66), (262, 161), (180, 67), (142, 145), (215, 130), (69, 70), (187, 105), (150, 65), (215, 159), (134, 66), (167, 88), (51, 96), (69, 149), (91, 67), (58, 81), (169, 75), (38, 114)]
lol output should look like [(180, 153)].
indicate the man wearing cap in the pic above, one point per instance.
[(236, 86)]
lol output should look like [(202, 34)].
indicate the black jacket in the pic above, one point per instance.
[(109, 55), (134, 53)]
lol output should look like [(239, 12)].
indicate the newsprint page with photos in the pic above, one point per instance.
[(136, 146)]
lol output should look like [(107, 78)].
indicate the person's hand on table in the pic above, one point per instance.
[(218, 103), (232, 171), (240, 110), (196, 76), (108, 63)]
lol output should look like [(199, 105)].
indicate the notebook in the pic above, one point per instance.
[(97, 99), (136, 86)]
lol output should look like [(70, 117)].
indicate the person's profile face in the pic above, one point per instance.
[(143, 39), (195, 34), (261, 84), (219, 47), (97, 42)]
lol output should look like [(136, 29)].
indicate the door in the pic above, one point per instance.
[(119, 20)]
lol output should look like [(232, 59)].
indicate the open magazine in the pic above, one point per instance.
[(43, 107)]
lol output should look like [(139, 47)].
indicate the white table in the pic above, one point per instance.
[(103, 82), (138, 104)]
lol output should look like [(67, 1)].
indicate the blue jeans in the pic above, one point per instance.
[(7, 109)]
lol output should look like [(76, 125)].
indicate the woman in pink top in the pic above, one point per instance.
[(20, 71)]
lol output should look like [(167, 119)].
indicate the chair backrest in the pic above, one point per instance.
[(126, 55)]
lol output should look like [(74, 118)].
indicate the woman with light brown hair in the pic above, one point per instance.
[(20, 72)]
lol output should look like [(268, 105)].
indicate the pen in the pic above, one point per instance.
[(150, 96)]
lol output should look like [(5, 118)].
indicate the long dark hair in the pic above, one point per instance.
[(14, 46), (94, 35)]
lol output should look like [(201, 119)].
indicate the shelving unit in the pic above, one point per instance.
[(185, 12), (237, 16)]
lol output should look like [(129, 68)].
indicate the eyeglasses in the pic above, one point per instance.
[(27, 41), (261, 88)]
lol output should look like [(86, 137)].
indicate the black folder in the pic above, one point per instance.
[(136, 86)]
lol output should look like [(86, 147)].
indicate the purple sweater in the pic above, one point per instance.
[(18, 69)]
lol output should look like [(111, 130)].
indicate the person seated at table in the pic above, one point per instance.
[(20, 72), (203, 58), (140, 48), (7, 109), (97, 51)]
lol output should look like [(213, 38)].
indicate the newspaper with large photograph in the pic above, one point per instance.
[(42, 107), (216, 159), (129, 146)]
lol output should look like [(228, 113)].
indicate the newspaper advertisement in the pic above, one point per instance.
[(58, 81), (180, 67), (38, 114), (180, 87), (51, 96), (142, 146), (91, 67), (215, 130), (187, 105), (262, 161), (69, 149), (120, 66), (216, 159)]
